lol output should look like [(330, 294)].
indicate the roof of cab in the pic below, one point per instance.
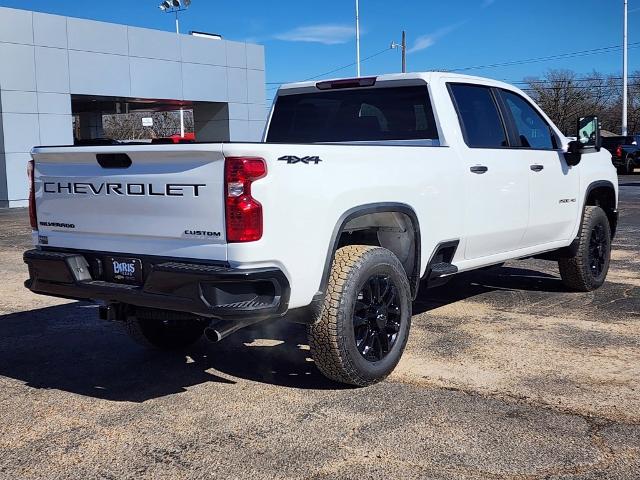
[(426, 76)]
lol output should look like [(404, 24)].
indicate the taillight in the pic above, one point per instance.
[(619, 151), (33, 218), (243, 212)]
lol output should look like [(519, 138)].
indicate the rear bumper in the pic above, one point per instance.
[(206, 289)]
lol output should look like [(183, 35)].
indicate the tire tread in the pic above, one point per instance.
[(329, 353), (572, 271)]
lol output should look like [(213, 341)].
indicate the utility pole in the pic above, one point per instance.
[(625, 73), (358, 38), (403, 47), (404, 52)]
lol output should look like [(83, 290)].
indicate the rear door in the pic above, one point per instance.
[(496, 182), (155, 200)]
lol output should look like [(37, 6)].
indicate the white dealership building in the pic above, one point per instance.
[(55, 70)]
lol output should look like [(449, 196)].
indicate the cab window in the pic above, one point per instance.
[(479, 117)]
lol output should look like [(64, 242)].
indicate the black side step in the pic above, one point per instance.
[(442, 269)]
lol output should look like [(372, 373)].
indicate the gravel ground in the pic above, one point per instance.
[(506, 375)]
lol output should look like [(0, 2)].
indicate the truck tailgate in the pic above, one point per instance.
[(158, 200)]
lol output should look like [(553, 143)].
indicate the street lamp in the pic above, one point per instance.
[(176, 6)]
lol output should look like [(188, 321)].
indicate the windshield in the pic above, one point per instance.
[(358, 115)]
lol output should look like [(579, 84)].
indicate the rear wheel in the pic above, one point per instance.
[(362, 329), (587, 270), (164, 330), (629, 166)]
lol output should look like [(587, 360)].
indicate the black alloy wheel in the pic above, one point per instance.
[(598, 250), (377, 318)]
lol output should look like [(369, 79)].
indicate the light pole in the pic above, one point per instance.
[(625, 66), (358, 37), (176, 6)]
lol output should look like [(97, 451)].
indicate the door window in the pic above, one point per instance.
[(533, 130), (479, 118)]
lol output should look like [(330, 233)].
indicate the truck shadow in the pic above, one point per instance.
[(67, 348), (479, 282)]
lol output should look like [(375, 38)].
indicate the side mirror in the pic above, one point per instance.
[(573, 155), (589, 133)]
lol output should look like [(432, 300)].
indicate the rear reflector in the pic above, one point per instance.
[(33, 218), (243, 213), (347, 83)]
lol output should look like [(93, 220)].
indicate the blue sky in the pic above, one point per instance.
[(308, 38)]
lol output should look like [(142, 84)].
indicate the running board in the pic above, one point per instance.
[(443, 269)]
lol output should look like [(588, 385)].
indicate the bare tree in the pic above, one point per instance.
[(614, 114), (129, 126), (565, 95)]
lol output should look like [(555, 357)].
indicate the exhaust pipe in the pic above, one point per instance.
[(222, 329)]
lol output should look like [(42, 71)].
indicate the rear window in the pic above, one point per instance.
[(359, 115)]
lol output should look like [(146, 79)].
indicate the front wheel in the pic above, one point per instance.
[(588, 268), (362, 329)]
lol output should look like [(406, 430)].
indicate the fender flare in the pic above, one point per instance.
[(597, 184), (573, 247), (602, 184), (359, 211)]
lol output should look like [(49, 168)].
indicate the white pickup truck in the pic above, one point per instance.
[(362, 191)]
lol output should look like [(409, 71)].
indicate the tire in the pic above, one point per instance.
[(164, 330), (367, 305), (587, 270), (629, 166)]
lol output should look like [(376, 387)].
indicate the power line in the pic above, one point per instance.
[(559, 56), (575, 87), (542, 81), (580, 53), (334, 70)]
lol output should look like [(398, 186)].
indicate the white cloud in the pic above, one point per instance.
[(325, 34), (422, 43), (425, 41)]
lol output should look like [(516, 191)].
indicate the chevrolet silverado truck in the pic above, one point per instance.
[(362, 191)]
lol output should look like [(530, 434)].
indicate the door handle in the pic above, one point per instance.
[(537, 168), (479, 169)]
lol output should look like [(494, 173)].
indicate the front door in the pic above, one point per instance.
[(553, 185)]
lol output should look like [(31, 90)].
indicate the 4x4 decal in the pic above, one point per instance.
[(291, 160)]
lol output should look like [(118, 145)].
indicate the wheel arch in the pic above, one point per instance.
[(373, 211), (602, 194)]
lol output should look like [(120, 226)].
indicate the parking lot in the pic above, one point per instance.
[(506, 375)]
